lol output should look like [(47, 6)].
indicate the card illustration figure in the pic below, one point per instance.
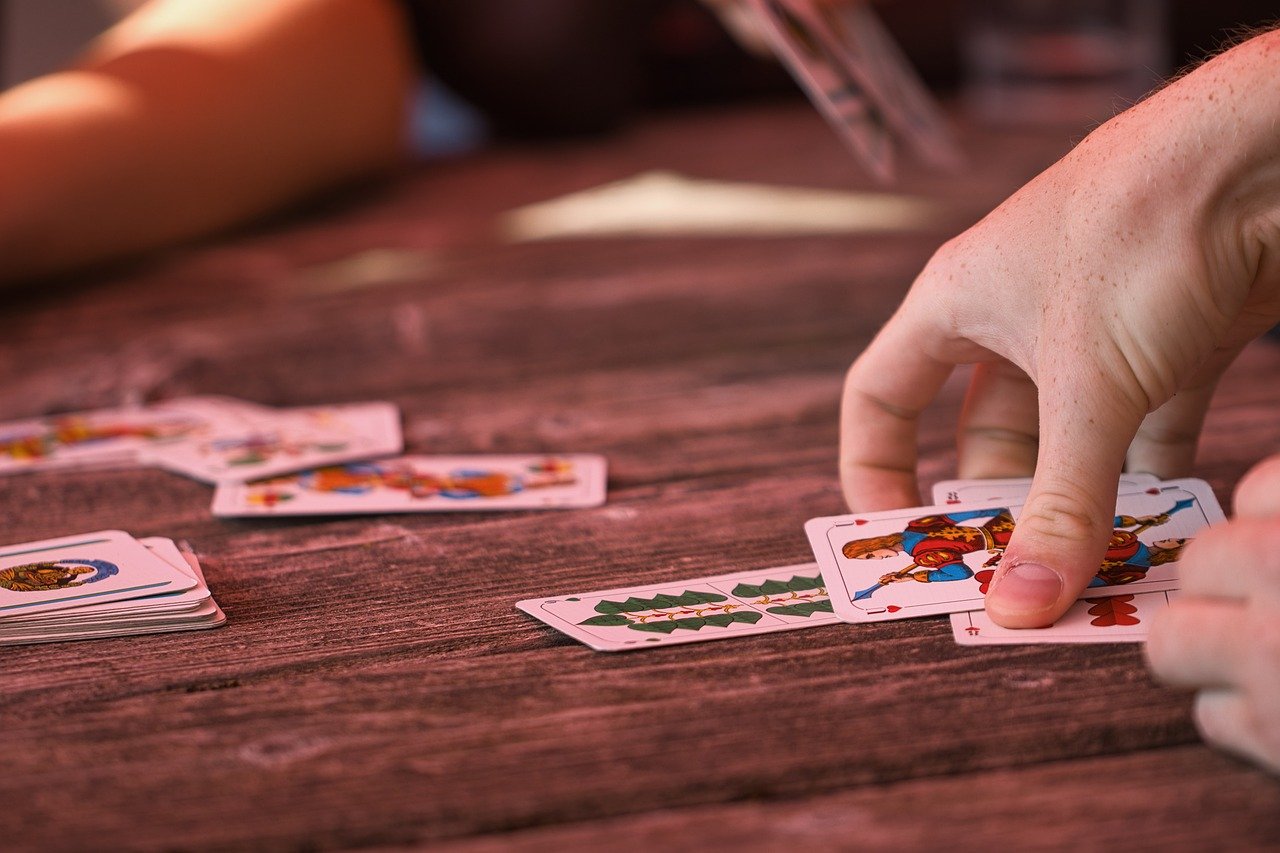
[(1115, 619), (929, 560), (423, 484), (73, 571), (733, 605)]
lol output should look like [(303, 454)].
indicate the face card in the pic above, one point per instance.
[(74, 571), (842, 93), (1113, 619), (424, 484), (1014, 489), (734, 605), (917, 562), (283, 441)]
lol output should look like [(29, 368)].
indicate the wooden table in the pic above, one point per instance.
[(375, 685)]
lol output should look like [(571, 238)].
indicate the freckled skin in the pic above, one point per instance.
[(1100, 303)]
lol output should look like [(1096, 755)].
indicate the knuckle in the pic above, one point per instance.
[(1063, 516)]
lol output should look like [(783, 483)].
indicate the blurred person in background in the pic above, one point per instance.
[(192, 116)]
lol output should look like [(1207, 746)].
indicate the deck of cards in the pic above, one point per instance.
[(316, 460), (901, 564), (101, 584), (262, 461)]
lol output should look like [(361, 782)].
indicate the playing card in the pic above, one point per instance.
[(74, 571), (189, 610), (1014, 488), (842, 92), (1114, 619), (101, 438), (284, 440), (733, 605), (423, 484), (861, 42), (179, 601), (940, 559)]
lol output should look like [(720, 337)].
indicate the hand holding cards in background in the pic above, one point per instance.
[(1101, 303), (853, 72), (1221, 635)]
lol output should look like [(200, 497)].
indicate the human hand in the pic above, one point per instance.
[(1221, 635), (1100, 303)]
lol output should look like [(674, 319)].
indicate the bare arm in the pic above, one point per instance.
[(191, 116)]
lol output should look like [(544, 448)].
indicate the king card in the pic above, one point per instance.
[(941, 559), (424, 484), (735, 605)]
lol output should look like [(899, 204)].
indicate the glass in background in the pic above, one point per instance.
[(1061, 62)]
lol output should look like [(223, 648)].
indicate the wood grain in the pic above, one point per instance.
[(376, 687)]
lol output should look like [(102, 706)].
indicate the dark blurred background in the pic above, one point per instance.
[(538, 67)]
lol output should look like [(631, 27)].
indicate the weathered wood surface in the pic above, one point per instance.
[(375, 686)]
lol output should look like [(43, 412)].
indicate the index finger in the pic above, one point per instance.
[(885, 391)]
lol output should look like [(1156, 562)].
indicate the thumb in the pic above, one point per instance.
[(1062, 532)]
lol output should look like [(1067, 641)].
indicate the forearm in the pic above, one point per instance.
[(192, 116)]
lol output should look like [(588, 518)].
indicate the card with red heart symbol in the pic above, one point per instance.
[(902, 563), (1116, 619)]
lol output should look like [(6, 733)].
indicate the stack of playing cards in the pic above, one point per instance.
[(899, 564), (103, 584)]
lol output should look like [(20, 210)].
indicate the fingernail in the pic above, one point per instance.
[(1026, 588)]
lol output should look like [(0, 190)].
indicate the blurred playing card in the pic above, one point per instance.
[(424, 484), (277, 441)]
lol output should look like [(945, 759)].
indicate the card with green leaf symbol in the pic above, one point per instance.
[(753, 602)]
